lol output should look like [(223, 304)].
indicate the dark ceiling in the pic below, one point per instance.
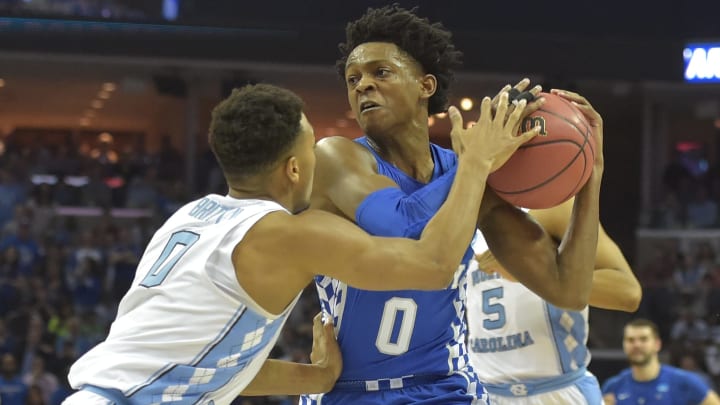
[(630, 40)]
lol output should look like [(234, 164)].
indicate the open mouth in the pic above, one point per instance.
[(367, 106)]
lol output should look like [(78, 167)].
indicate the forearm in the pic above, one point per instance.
[(278, 377), (615, 290), (578, 249), (449, 232), (561, 277)]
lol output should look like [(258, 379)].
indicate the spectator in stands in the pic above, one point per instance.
[(712, 295), (63, 391), (88, 285), (702, 212), (123, 256), (669, 212), (142, 191), (40, 378), (97, 193), (8, 343), (12, 390), (170, 163), (689, 328), (35, 396), (12, 193), (26, 246), (711, 354), (688, 280), (658, 298)]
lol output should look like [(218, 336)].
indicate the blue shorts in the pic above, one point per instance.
[(456, 389)]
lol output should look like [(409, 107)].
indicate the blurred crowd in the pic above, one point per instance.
[(681, 293), (689, 197)]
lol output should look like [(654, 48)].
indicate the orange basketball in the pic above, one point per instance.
[(552, 167)]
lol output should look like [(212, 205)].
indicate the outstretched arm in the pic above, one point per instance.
[(291, 249)]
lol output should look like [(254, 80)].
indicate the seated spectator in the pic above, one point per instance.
[(35, 396), (27, 249), (8, 343), (712, 297), (96, 193), (143, 191), (12, 193), (41, 379), (689, 329), (688, 276), (63, 391), (669, 212), (88, 286)]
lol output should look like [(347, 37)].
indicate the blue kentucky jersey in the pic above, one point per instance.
[(392, 334), (672, 386)]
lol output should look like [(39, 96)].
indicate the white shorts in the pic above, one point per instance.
[(86, 398), (585, 391)]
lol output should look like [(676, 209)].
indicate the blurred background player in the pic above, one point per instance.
[(648, 381)]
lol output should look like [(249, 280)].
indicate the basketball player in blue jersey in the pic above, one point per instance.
[(218, 279), (405, 346), (647, 381)]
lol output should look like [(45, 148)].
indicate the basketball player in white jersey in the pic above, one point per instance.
[(219, 278), (527, 351)]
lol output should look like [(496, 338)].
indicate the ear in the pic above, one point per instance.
[(292, 169), (428, 86)]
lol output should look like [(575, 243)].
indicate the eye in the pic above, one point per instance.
[(382, 72), (351, 80)]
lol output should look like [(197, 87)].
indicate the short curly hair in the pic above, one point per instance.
[(430, 44), (252, 128)]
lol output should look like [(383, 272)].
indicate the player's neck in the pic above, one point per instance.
[(647, 372), (259, 190), (409, 151)]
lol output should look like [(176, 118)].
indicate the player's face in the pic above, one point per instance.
[(640, 345), (305, 154), (383, 86)]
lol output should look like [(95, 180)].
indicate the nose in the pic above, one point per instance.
[(364, 84)]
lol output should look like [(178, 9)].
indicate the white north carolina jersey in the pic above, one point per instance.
[(516, 336), (186, 332)]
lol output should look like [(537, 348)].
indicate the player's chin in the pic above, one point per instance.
[(638, 359), (375, 129), (374, 125)]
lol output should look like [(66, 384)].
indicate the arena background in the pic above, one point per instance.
[(104, 107)]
